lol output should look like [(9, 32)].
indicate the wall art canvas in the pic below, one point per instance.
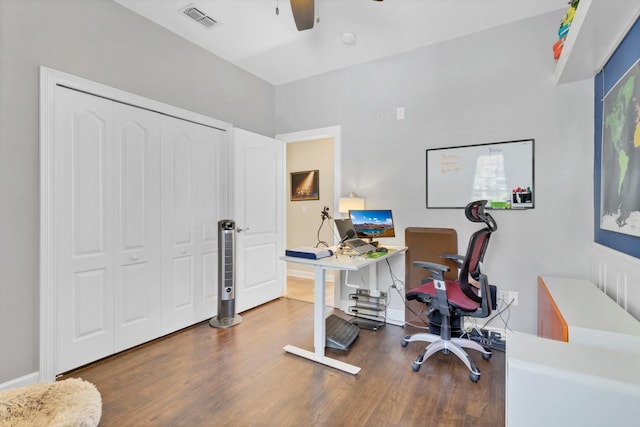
[(620, 169), (305, 185)]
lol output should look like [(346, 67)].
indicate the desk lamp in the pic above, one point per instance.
[(352, 202)]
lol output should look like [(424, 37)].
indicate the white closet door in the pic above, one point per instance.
[(138, 294), (192, 198), (84, 228), (258, 194), (213, 190)]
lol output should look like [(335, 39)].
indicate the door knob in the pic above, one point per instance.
[(242, 229)]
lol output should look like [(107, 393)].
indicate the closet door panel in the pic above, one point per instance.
[(179, 276), (193, 195), (212, 190), (84, 242), (138, 298)]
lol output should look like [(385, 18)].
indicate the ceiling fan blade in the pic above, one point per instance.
[(303, 13)]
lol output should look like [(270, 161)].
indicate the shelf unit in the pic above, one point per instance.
[(369, 310), (597, 29)]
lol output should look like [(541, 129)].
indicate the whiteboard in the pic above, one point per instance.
[(501, 172)]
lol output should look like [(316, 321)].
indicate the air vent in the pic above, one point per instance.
[(198, 16)]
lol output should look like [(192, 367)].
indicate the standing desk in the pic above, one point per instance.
[(335, 262)]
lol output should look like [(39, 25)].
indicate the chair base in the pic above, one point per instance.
[(453, 345)]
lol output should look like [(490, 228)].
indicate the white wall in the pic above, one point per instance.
[(104, 42), (493, 86)]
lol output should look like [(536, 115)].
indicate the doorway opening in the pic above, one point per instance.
[(314, 150)]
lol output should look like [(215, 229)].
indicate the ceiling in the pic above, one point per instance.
[(252, 36)]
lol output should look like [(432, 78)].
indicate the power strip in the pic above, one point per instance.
[(490, 339)]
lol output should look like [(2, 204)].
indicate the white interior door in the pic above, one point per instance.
[(193, 191), (137, 305), (258, 206), (84, 229)]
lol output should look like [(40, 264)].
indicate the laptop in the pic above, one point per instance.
[(358, 245), (343, 225)]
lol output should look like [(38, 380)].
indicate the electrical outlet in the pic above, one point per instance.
[(513, 296), (502, 296)]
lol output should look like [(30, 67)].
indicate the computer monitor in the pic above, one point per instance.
[(372, 224)]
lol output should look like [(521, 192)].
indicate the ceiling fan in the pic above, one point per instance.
[(304, 13)]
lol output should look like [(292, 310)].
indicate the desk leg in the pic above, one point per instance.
[(373, 278), (319, 332), (319, 324)]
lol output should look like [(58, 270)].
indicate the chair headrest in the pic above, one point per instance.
[(475, 212)]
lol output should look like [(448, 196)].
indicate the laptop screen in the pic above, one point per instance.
[(343, 225)]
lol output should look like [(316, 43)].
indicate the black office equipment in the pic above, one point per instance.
[(369, 309), (340, 334)]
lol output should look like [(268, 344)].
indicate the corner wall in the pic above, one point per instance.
[(492, 86), (101, 41)]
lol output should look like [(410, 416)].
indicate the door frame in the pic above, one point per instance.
[(49, 79), (333, 132)]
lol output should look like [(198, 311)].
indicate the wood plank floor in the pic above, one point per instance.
[(202, 376), (301, 289)]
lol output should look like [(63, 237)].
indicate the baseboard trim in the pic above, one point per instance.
[(29, 379), (395, 317)]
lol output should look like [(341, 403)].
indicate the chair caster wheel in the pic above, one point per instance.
[(404, 343), (486, 356), (415, 366), (474, 377)]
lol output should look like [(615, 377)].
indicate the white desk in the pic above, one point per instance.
[(339, 262)]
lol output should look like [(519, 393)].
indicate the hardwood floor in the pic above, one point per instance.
[(202, 376), (301, 289)]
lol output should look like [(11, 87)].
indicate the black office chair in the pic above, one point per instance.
[(456, 298)]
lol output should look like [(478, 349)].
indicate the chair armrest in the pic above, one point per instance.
[(438, 270), (459, 259)]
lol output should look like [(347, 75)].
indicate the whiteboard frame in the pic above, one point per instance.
[(474, 146)]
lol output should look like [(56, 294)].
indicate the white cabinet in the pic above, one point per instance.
[(555, 383), (590, 380), (137, 199)]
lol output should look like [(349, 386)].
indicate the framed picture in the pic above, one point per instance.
[(617, 149), (305, 185)]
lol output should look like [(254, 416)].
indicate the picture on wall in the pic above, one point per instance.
[(620, 168), (305, 185)]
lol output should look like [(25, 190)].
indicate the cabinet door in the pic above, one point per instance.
[(84, 229), (193, 196), (138, 294)]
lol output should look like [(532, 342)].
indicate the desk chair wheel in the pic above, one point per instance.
[(474, 377), (404, 343), (486, 356)]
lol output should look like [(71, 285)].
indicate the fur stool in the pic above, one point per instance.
[(70, 402)]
